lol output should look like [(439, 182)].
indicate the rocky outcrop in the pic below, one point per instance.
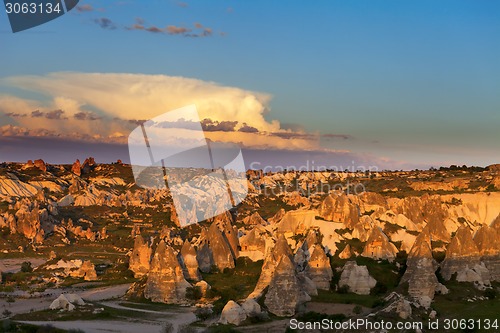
[(40, 165), (346, 252), (254, 219), (337, 207), (141, 257), (319, 269), (280, 249), (356, 278), (253, 244), (378, 246), (165, 282), (86, 271), (214, 250), (76, 168), (462, 253), (420, 272), (189, 262), (285, 293), (487, 240), (88, 165), (28, 223), (232, 313)]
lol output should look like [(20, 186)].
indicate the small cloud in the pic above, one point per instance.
[(336, 136), (37, 114), (174, 30), (139, 20), (56, 114), (105, 23), (229, 10), (154, 29), (183, 4), (207, 32), (86, 116), (248, 129), (214, 126), (85, 8), (198, 25)]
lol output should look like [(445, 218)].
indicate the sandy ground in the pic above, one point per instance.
[(13, 265)]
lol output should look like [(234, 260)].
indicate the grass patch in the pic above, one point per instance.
[(235, 284), (369, 301)]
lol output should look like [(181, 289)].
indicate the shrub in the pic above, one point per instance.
[(203, 313), (193, 293), (490, 293), (357, 309), (343, 289), (26, 267)]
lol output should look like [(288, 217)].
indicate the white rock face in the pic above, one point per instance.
[(232, 314), (11, 186), (357, 278)]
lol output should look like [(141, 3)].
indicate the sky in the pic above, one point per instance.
[(385, 84)]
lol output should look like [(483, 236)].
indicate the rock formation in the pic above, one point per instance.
[(346, 252), (165, 282), (141, 257), (285, 293), (420, 272), (487, 240), (254, 219), (462, 255), (40, 164), (214, 250), (356, 278), (232, 313), (378, 246), (337, 207), (190, 264), (319, 269), (86, 271), (253, 244), (76, 168)]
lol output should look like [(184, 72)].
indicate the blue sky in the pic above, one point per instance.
[(413, 82)]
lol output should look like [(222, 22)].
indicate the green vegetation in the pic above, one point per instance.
[(234, 284), (368, 301)]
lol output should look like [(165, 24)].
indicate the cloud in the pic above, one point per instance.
[(85, 8), (86, 116), (99, 105), (105, 23), (182, 4), (173, 30)]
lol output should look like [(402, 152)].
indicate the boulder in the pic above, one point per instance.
[(232, 313), (356, 278), (251, 307), (66, 302)]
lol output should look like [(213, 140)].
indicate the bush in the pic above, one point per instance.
[(490, 293), (203, 313), (379, 289), (26, 267), (193, 293), (357, 309), (343, 289)]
